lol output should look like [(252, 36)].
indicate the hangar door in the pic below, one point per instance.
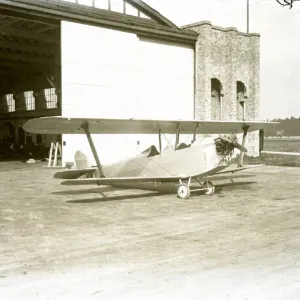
[(113, 74)]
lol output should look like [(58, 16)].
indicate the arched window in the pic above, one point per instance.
[(241, 95), (216, 102)]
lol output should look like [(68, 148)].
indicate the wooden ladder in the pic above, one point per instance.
[(55, 153)]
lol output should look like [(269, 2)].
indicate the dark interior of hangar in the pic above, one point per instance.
[(29, 62), (29, 73)]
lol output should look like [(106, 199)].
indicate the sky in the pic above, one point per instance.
[(279, 28)]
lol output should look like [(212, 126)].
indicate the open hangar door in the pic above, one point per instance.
[(30, 81)]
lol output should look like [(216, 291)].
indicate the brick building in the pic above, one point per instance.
[(227, 70)]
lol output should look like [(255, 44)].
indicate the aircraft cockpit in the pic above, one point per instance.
[(151, 151)]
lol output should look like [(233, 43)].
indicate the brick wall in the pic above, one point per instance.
[(229, 56)]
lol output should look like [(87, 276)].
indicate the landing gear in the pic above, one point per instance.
[(210, 188), (184, 191)]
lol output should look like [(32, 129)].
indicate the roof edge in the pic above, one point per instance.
[(225, 29), (55, 10), (151, 12)]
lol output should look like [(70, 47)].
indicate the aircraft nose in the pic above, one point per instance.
[(231, 142)]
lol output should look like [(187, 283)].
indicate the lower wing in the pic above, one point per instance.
[(118, 180), (237, 169), (70, 175)]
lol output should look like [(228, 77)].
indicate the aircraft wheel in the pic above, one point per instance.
[(210, 188), (183, 191)]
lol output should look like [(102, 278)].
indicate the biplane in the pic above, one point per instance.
[(178, 164)]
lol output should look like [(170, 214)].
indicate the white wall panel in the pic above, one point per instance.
[(112, 74)]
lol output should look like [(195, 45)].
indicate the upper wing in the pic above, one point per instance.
[(119, 180), (60, 125)]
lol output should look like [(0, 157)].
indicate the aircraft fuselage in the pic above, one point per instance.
[(196, 159)]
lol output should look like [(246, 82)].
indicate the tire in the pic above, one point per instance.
[(183, 191), (210, 188)]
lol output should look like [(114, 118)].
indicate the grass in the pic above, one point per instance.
[(282, 145)]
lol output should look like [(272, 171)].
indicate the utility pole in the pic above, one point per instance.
[(248, 16)]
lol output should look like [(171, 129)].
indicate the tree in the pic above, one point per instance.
[(286, 2)]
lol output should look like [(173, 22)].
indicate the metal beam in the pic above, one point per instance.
[(19, 15), (28, 34), (16, 66), (8, 22), (50, 49), (47, 28), (30, 59), (153, 14), (51, 80)]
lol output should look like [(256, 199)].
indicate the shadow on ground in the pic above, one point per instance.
[(86, 191), (153, 192), (115, 198)]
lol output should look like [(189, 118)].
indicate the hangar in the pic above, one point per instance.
[(119, 59)]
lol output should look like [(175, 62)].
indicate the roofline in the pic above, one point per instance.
[(151, 12), (225, 29), (53, 11)]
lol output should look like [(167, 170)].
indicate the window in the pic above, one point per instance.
[(29, 101), (51, 98), (241, 101), (11, 103), (216, 104)]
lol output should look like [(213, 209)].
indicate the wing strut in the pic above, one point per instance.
[(85, 127), (159, 140), (195, 133), (245, 128), (177, 136)]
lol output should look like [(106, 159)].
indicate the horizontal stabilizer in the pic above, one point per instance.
[(62, 125)]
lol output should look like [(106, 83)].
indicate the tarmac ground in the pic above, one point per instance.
[(60, 242)]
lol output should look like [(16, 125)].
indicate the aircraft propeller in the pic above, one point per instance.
[(234, 142)]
